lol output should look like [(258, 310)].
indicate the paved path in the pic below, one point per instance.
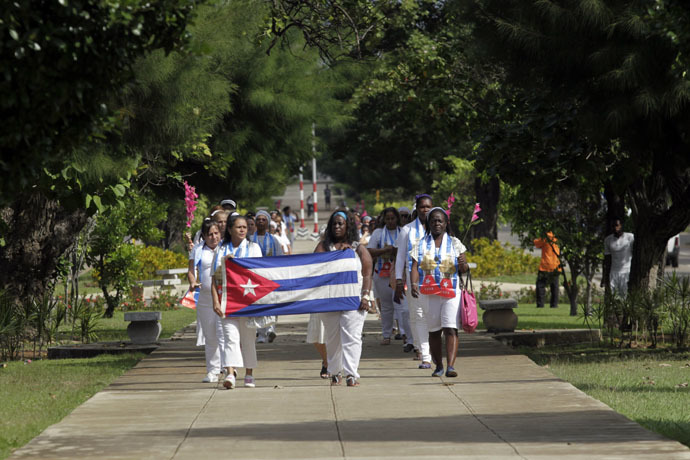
[(502, 406)]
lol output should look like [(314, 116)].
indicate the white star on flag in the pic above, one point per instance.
[(249, 287)]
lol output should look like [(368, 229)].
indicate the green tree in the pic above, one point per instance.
[(617, 70), (63, 63), (112, 252)]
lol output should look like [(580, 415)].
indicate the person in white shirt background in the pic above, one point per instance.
[(618, 249)]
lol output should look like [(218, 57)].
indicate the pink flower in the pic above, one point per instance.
[(190, 197), (449, 201), (476, 210)]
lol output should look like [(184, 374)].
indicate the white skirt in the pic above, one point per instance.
[(316, 331)]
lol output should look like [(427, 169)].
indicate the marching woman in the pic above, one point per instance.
[(270, 246), (408, 237), (382, 248), (239, 349), (201, 262), (439, 258), (344, 328)]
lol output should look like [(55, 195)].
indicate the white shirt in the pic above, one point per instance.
[(620, 250), (418, 232), (457, 248), (277, 244), (205, 277)]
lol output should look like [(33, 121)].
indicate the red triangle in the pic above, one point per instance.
[(244, 287)]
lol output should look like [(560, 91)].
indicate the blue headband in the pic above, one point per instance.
[(423, 195), (341, 214)]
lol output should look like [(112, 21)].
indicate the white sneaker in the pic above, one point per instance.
[(249, 381), (229, 382), (211, 377), (261, 339)]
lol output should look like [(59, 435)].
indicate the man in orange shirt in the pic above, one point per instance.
[(549, 269)]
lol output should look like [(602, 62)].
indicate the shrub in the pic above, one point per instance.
[(526, 295), (494, 259), (152, 258), (133, 301), (491, 291), (164, 300)]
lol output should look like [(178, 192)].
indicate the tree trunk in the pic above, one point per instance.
[(38, 232), (488, 195), (615, 207)]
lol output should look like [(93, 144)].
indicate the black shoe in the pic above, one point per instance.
[(398, 337), (408, 348)]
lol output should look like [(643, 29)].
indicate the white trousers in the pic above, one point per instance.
[(418, 325), (239, 349), (344, 340), (209, 323), (391, 310), (618, 281)]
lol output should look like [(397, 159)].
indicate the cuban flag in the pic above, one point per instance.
[(291, 285)]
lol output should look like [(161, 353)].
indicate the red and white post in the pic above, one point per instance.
[(301, 199), (313, 175)]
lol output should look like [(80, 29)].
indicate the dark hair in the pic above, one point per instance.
[(350, 235), (231, 223), (387, 210), (206, 226), (250, 215), (449, 230), (423, 196), (286, 208)]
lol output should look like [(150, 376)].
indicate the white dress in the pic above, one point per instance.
[(441, 312)]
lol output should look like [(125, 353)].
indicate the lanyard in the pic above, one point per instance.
[(437, 257), (198, 264), (235, 252), (385, 237), (264, 243), (418, 237)]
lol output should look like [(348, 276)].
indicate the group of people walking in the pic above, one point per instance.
[(408, 269)]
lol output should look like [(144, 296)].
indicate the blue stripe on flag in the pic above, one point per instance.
[(299, 307), (317, 281), (293, 260)]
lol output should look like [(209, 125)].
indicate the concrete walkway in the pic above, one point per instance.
[(501, 406)]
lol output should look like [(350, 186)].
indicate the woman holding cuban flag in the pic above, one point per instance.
[(437, 259), (344, 328), (239, 347)]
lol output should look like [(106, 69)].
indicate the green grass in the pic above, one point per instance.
[(529, 278), (530, 317), (115, 329), (39, 394), (87, 285), (646, 387)]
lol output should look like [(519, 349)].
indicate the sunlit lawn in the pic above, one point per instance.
[(38, 394), (115, 329), (650, 387)]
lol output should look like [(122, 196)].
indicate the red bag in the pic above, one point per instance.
[(189, 299), (468, 307)]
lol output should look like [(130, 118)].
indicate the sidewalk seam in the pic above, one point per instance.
[(476, 417), (191, 425), (337, 425)]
